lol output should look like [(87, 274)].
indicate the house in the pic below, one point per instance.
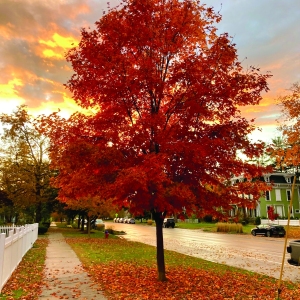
[(280, 195)]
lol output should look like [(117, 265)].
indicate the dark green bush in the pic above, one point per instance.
[(42, 230), (257, 221), (208, 219)]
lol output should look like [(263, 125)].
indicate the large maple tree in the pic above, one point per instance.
[(166, 91)]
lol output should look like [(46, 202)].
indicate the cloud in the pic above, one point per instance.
[(35, 36)]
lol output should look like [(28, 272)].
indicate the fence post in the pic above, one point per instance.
[(2, 248)]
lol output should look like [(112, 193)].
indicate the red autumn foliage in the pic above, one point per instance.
[(128, 281), (271, 213), (167, 119)]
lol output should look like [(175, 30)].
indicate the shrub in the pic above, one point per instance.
[(110, 229), (100, 227), (230, 227), (46, 224), (149, 222), (42, 229), (251, 220), (208, 219), (74, 226), (257, 221)]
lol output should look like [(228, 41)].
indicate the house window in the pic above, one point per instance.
[(268, 196), (297, 211), (288, 195), (279, 210), (267, 179), (288, 180), (278, 195)]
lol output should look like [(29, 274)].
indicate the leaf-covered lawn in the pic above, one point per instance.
[(25, 282), (294, 233), (127, 270)]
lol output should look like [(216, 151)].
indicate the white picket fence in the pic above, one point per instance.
[(188, 221), (15, 241), (281, 222)]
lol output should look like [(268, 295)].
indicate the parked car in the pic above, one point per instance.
[(97, 224), (131, 221), (268, 230), (120, 220), (116, 220), (169, 222)]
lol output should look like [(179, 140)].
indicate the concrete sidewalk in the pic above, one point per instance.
[(65, 277)]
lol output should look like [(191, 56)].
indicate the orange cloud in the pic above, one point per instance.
[(56, 45), (9, 97)]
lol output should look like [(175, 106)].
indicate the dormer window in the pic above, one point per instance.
[(288, 179), (267, 178)]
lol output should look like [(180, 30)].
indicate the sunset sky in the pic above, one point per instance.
[(35, 35)]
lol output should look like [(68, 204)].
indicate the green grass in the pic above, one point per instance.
[(209, 227), (102, 257), (100, 251)]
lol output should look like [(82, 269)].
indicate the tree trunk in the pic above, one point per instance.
[(160, 256), (88, 226), (38, 212), (82, 223)]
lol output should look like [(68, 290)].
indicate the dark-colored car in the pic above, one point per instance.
[(268, 230), (169, 222)]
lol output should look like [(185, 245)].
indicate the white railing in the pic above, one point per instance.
[(15, 241), (187, 221), (281, 222)]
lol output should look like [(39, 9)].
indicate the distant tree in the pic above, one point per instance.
[(290, 127), (24, 164), (7, 210), (274, 154), (166, 92)]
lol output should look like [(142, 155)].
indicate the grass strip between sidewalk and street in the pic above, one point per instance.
[(127, 270)]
